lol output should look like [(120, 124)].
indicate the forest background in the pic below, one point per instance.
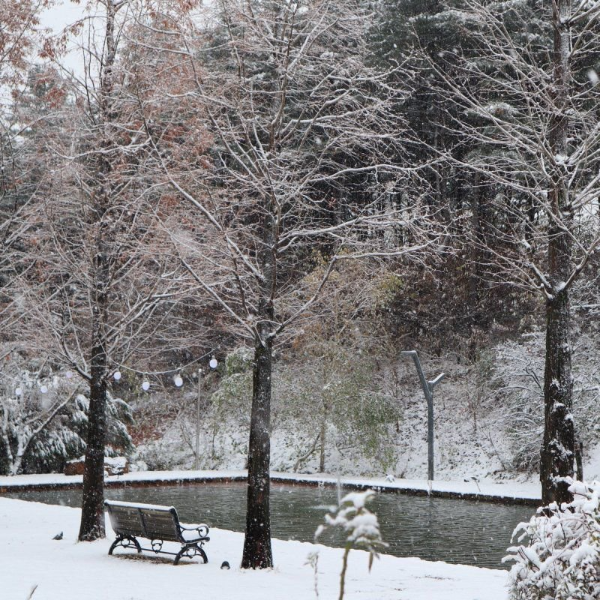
[(310, 187)]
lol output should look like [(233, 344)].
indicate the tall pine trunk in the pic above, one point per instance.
[(558, 448)]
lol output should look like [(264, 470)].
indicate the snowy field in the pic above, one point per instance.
[(64, 569)]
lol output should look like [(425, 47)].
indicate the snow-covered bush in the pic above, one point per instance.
[(239, 360), (560, 559), (518, 377), (518, 387), (64, 439), (43, 422)]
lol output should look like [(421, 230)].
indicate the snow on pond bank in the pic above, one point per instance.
[(65, 569), (510, 491)]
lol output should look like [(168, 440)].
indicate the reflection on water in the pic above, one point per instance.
[(455, 531)]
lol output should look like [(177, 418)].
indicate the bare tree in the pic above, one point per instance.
[(527, 108), (19, 33), (96, 279), (300, 173)]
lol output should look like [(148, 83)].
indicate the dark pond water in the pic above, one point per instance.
[(455, 531)]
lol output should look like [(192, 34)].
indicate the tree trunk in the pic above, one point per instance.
[(323, 443), (558, 448), (257, 552), (92, 506), (579, 459)]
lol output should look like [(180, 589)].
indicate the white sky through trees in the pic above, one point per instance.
[(60, 15)]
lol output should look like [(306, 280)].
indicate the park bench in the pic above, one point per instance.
[(158, 524)]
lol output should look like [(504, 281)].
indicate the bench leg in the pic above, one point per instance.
[(125, 541), (190, 551)]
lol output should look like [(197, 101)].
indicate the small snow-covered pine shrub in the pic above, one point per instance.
[(360, 527), (560, 559)]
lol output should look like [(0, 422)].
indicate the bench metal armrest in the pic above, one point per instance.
[(201, 529)]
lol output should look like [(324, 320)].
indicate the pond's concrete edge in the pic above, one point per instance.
[(145, 479)]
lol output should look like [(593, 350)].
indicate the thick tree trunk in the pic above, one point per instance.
[(257, 552), (92, 506), (558, 448), (5, 453)]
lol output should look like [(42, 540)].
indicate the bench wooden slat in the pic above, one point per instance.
[(126, 520), (161, 526)]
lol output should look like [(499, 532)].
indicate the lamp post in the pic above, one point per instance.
[(197, 451), (428, 391), (213, 365)]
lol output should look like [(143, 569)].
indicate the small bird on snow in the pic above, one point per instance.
[(225, 565), (58, 536)]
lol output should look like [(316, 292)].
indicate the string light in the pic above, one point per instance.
[(117, 375)]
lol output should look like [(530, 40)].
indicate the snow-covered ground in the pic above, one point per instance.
[(65, 570)]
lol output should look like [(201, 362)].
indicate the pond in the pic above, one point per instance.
[(455, 531)]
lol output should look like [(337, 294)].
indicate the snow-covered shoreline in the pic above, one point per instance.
[(64, 569), (509, 492)]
